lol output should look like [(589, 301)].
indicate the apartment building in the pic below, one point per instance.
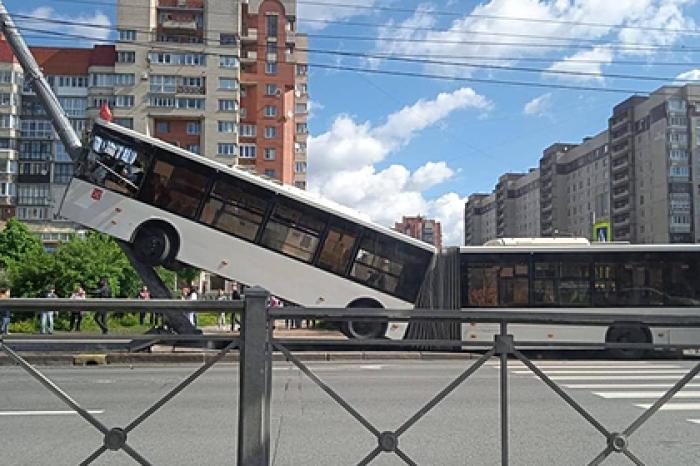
[(424, 229), (641, 177), (223, 78), (479, 219)]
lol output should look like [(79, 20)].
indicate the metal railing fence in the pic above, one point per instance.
[(257, 344)]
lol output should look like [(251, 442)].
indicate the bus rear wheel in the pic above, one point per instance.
[(154, 245), (627, 334), (364, 329)]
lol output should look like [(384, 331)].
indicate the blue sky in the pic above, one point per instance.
[(389, 145)]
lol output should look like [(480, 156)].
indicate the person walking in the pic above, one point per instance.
[(146, 295), (5, 314), (47, 316), (221, 323), (193, 296), (104, 291), (235, 316), (76, 317)]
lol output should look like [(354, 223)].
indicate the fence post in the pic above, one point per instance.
[(252, 403)]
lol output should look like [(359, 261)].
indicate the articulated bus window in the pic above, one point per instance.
[(482, 280), (544, 284), (640, 284), (236, 209), (391, 265), (293, 232), (575, 284), (682, 280), (336, 249), (175, 188), (604, 284)]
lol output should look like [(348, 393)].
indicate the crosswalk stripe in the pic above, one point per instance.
[(599, 367), (615, 377), (632, 395), (696, 421), (674, 406), (611, 386), (614, 372)]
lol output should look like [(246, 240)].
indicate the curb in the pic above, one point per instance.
[(92, 359)]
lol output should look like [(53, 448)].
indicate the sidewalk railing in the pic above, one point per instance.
[(257, 343)]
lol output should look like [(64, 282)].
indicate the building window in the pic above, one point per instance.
[(229, 84), (299, 147), (270, 153), (127, 34), (194, 127), (300, 167), (301, 108), (679, 171), (126, 57), (271, 89), (270, 111), (163, 127), (272, 25), (166, 58), (9, 121), (163, 84), (302, 70), (270, 172), (124, 101), (38, 129), (271, 49), (102, 79), (227, 105), (270, 132), (227, 39), (270, 68), (247, 151), (227, 126), (193, 148), (226, 149), (248, 130), (302, 89), (302, 128), (228, 61), (300, 184), (243, 113)]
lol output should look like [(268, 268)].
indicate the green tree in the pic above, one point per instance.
[(15, 241)]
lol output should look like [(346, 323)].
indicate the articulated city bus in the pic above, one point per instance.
[(178, 207), (571, 274)]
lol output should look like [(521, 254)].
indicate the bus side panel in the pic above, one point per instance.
[(536, 333), (219, 253)]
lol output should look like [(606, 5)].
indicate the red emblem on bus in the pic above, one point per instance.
[(96, 194)]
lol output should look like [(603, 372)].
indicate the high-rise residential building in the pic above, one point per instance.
[(479, 219), (639, 179), (424, 229), (223, 78)]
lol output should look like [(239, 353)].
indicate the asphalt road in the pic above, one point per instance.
[(308, 428)]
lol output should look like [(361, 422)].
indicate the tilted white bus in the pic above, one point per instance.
[(176, 206)]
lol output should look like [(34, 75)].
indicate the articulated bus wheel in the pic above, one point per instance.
[(152, 245), (627, 334), (364, 330)]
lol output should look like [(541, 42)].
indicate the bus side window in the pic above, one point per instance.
[(174, 188), (336, 250), (293, 232), (482, 285), (234, 210), (681, 283), (544, 283)]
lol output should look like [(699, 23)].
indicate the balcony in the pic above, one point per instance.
[(249, 35), (620, 193), (620, 208), (249, 56), (621, 181), (180, 24), (620, 164), (198, 90)]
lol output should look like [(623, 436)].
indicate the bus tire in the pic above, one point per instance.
[(155, 244), (363, 329), (627, 333)]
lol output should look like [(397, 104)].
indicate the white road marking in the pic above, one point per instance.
[(372, 367), (615, 377), (622, 372), (599, 367), (696, 421), (610, 386), (631, 395), (674, 406), (46, 413)]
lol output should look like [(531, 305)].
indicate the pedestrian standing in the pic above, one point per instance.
[(222, 315), (76, 317), (47, 316), (145, 295), (193, 296), (104, 291), (5, 314), (235, 316)]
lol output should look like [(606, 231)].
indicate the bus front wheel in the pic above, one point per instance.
[(364, 329), (154, 245), (628, 334)]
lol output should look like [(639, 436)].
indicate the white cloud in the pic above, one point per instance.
[(99, 30), (342, 163), (319, 12), (555, 19), (690, 75), (588, 63), (538, 106)]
